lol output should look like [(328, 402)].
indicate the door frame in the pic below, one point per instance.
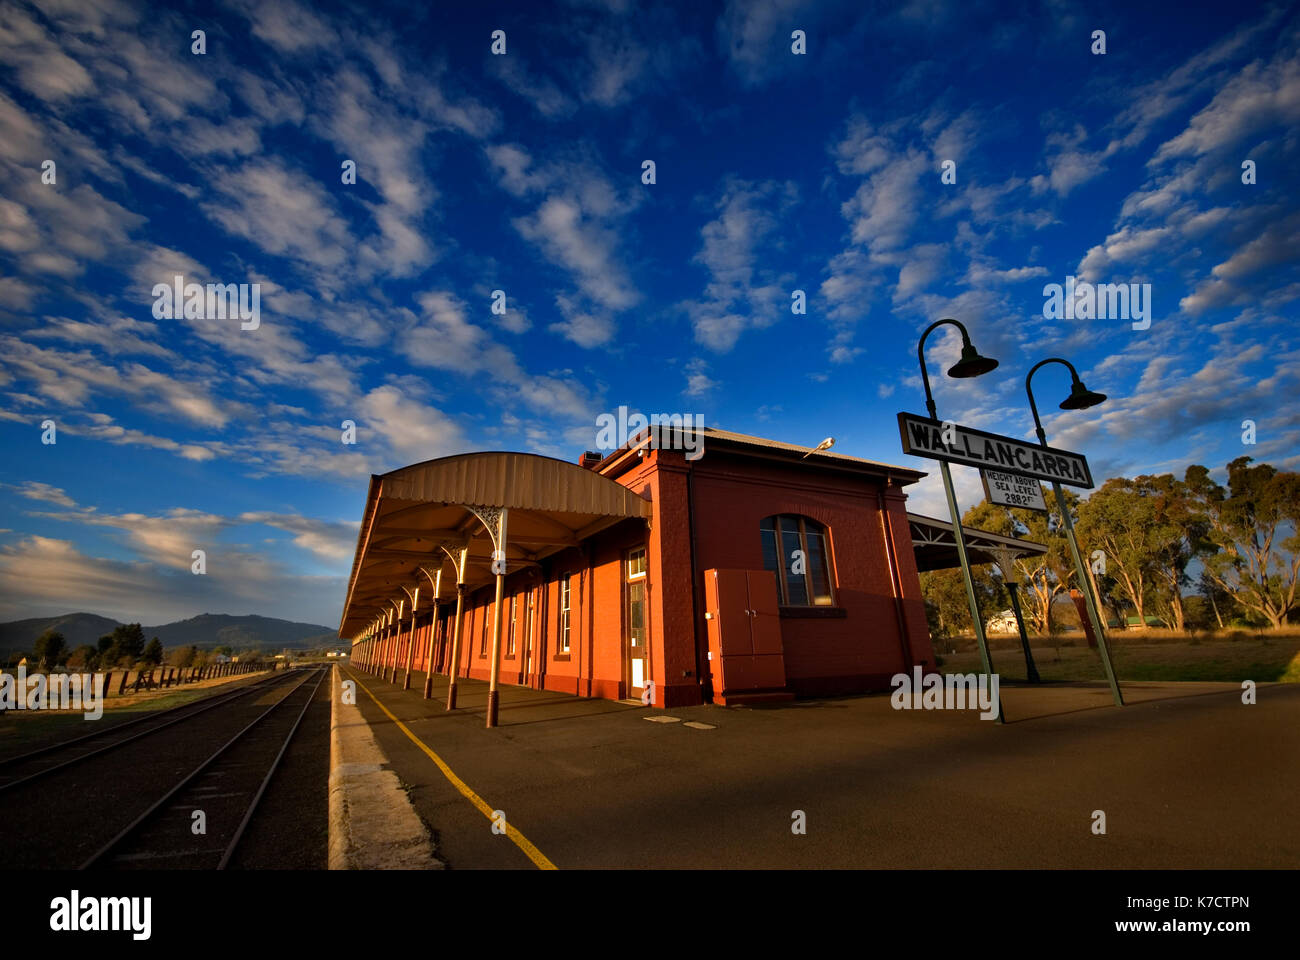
[(642, 578)]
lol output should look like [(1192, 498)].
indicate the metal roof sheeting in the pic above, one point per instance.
[(524, 482), (519, 480)]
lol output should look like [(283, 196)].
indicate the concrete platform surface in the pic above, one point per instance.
[(372, 823), (1186, 775)]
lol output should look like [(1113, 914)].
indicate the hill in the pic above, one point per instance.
[(77, 628), (209, 630), (205, 631)]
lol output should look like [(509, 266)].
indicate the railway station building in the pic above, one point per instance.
[(756, 571)]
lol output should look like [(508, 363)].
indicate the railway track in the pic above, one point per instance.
[(22, 769), (199, 822)]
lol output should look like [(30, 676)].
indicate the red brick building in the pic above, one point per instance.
[(757, 570)]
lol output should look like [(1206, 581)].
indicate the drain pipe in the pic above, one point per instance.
[(895, 581), (695, 590)]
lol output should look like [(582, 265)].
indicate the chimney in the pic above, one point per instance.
[(589, 459)]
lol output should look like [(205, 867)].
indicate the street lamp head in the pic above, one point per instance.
[(971, 363), (1081, 397)]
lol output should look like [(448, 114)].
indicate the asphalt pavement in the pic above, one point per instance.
[(1186, 775)]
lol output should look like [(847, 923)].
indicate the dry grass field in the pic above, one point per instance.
[(1151, 654), (22, 729)]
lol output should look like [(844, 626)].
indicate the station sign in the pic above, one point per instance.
[(945, 440), (1009, 490)]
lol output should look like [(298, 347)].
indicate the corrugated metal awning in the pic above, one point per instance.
[(418, 517)]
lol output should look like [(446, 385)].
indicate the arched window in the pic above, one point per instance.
[(797, 551)]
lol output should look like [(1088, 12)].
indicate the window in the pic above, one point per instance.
[(796, 550), (510, 638), (565, 594), (636, 564), (482, 646)]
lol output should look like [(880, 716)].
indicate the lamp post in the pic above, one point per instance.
[(1080, 398), (1006, 561), (971, 364)]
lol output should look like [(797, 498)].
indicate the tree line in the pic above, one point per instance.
[(1140, 536), (124, 647)]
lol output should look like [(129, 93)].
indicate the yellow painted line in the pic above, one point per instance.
[(522, 842)]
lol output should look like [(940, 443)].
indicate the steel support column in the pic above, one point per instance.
[(454, 666), (410, 636), (499, 541)]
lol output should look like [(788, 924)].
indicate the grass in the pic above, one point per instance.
[(20, 729), (1262, 658)]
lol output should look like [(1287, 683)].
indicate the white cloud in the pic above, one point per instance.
[(1068, 163), (698, 381), (327, 539), (740, 294), (284, 212), (1261, 96), (577, 225), (755, 35), (34, 490), (570, 236), (412, 430), (42, 575), (545, 96), (288, 27)]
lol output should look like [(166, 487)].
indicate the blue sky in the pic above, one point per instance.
[(522, 172)]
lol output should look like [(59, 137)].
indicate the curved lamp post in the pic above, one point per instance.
[(971, 364), (1080, 398)]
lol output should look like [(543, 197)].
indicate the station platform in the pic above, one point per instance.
[(565, 782)]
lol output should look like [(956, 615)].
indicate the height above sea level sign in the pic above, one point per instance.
[(1009, 490)]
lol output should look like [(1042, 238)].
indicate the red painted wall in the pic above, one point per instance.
[(857, 649), (863, 648)]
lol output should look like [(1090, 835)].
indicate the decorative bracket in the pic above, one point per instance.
[(435, 580), (458, 559), (494, 520)]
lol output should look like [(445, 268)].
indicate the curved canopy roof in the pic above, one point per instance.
[(418, 518)]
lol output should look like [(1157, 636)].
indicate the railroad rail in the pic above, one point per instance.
[(51, 758), (233, 778)]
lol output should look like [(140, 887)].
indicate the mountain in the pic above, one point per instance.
[(77, 628), (205, 631), (221, 630)]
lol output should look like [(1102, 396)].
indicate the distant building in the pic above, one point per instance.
[(1004, 622), (1133, 621)]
